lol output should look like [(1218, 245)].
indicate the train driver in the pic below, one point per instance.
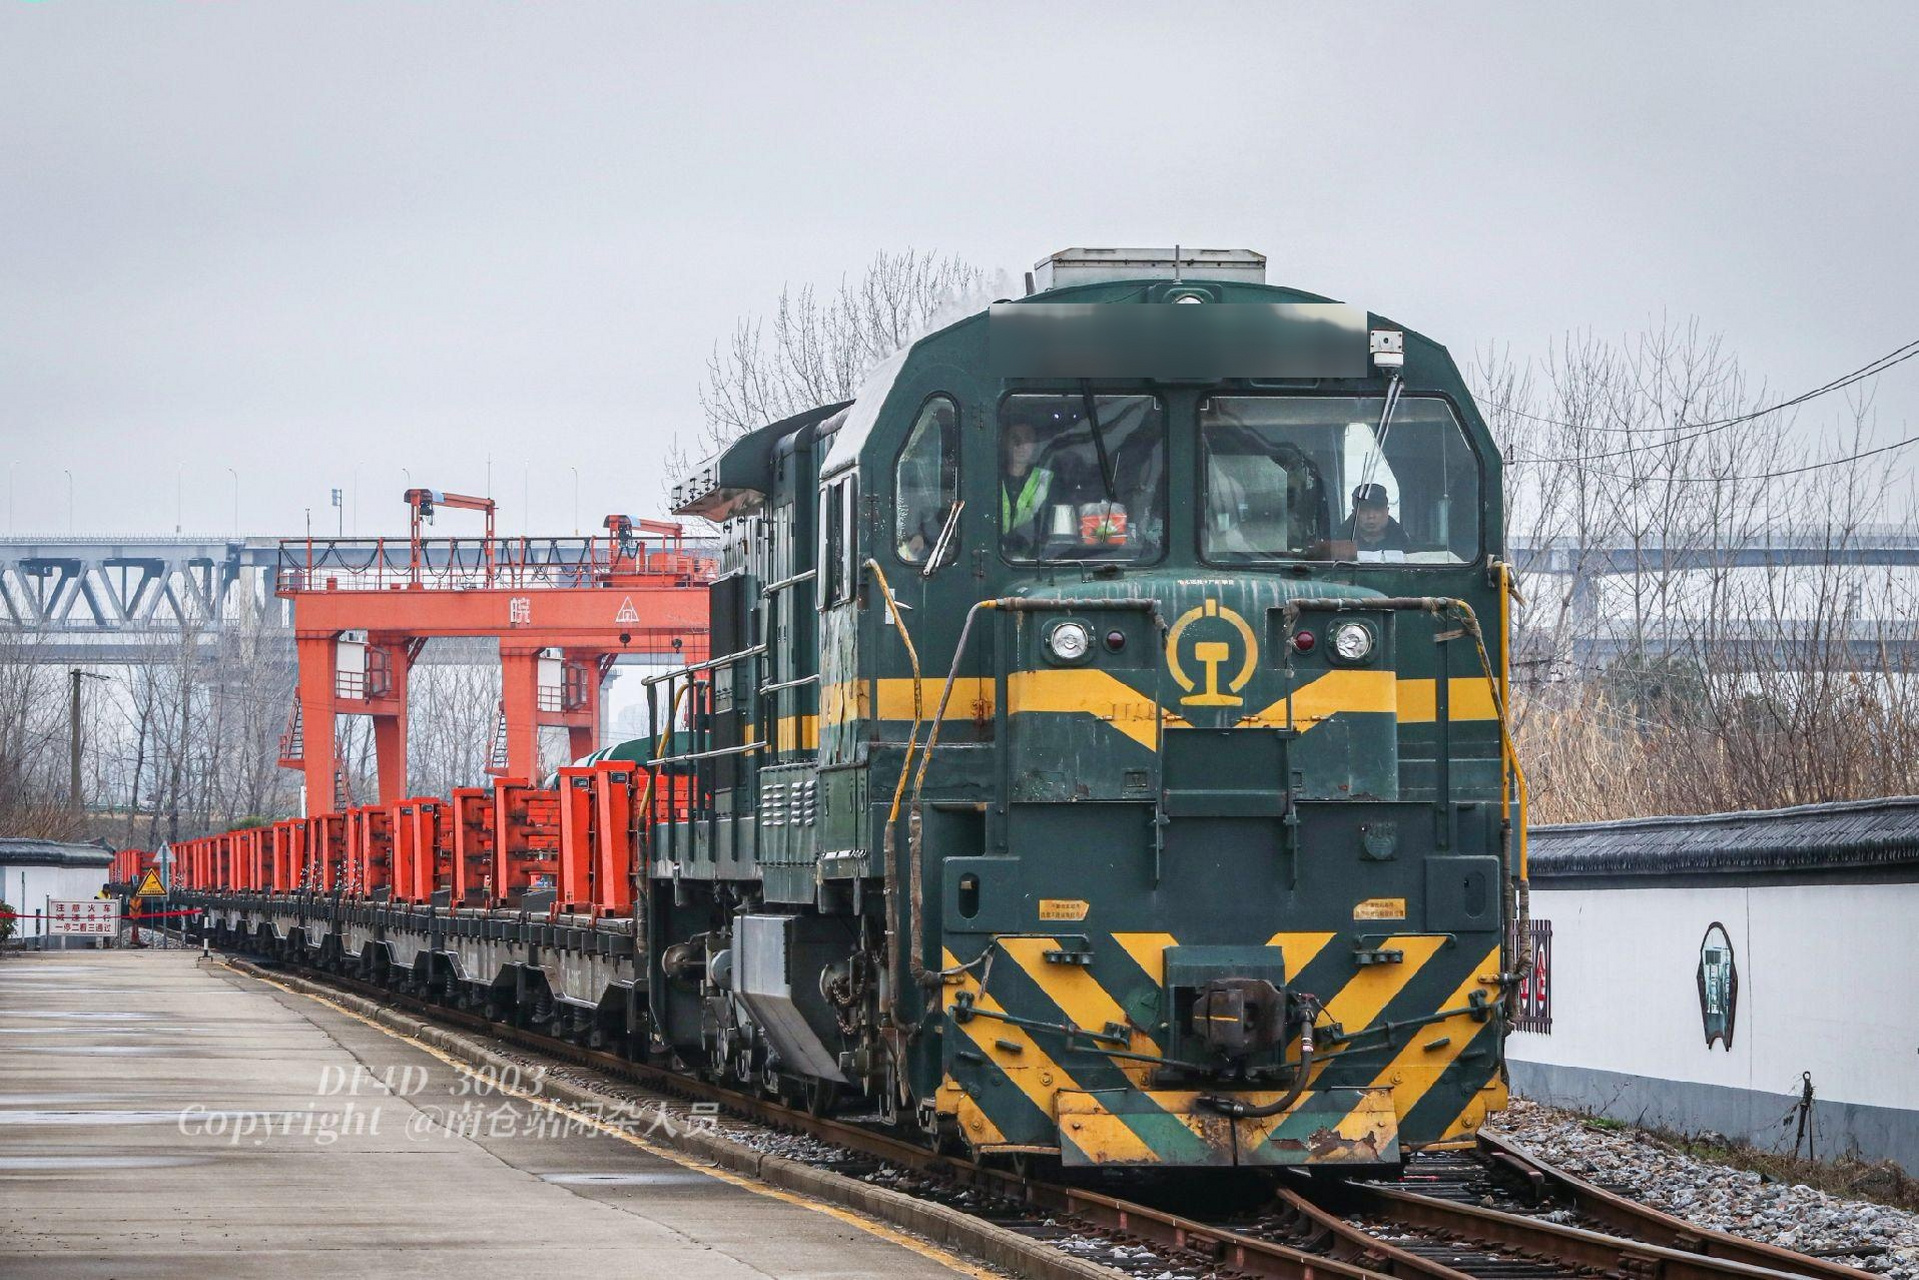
[(1023, 489), (1373, 527)]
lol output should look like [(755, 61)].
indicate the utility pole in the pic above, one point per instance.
[(73, 746)]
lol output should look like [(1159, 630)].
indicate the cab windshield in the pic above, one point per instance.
[(1082, 477), (1313, 478)]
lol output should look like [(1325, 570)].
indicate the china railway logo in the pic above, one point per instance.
[(1212, 649)]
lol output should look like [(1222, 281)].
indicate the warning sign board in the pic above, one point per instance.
[(150, 886), (84, 916)]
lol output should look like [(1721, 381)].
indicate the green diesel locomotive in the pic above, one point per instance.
[(1104, 754)]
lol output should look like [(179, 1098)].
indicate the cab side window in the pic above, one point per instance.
[(838, 560), (926, 479)]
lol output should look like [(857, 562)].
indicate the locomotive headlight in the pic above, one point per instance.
[(1352, 641), (1069, 641)]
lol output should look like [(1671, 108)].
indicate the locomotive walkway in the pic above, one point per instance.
[(161, 1115)]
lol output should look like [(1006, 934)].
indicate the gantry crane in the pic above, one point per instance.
[(563, 610)]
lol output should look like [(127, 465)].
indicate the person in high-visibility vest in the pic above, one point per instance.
[(1023, 489)]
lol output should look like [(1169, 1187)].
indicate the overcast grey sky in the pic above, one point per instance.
[(318, 243)]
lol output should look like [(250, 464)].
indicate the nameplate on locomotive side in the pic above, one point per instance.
[(1063, 909), (1380, 909)]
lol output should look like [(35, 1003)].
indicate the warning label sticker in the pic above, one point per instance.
[(1380, 909), (1063, 909)]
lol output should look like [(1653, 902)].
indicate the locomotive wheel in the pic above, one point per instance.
[(822, 1098)]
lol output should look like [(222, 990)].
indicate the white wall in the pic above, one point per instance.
[(43, 883), (1828, 983)]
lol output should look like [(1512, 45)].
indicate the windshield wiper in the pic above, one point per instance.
[(1091, 406), (1385, 425)]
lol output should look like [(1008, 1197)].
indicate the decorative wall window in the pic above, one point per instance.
[(1535, 996), (926, 479)]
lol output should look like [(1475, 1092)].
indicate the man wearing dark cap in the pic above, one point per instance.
[(1373, 526)]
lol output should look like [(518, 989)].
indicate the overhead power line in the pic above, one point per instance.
[(1763, 475), (1899, 355)]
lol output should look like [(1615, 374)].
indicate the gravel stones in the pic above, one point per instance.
[(1638, 1164)]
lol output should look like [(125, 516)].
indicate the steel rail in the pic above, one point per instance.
[(1630, 1217), (1578, 1248)]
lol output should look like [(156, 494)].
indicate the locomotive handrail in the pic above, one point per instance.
[(1040, 604), (889, 839), (772, 589), (711, 664), (789, 684), (744, 749)]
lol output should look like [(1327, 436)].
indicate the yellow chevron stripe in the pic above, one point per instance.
[(1148, 951), (1300, 948), (1370, 990), (1038, 1075), (952, 1100), (1492, 1096), (1106, 1138), (1028, 1066), (1366, 1129), (1078, 994), (1413, 1072)]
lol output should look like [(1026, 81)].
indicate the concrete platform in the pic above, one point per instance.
[(164, 1116)]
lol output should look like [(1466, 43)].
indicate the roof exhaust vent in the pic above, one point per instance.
[(1099, 266)]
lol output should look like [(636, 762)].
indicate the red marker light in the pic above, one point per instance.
[(1304, 641)]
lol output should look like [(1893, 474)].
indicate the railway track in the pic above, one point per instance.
[(1310, 1229), (1427, 1230), (1516, 1181)]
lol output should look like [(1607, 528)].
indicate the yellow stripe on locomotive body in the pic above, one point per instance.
[(1102, 696)]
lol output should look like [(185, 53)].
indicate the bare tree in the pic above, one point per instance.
[(816, 350), (33, 740), (1670, 666), (450, 726)]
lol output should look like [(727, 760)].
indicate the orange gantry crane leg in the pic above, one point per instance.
[(527, 706), (380, 691)]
